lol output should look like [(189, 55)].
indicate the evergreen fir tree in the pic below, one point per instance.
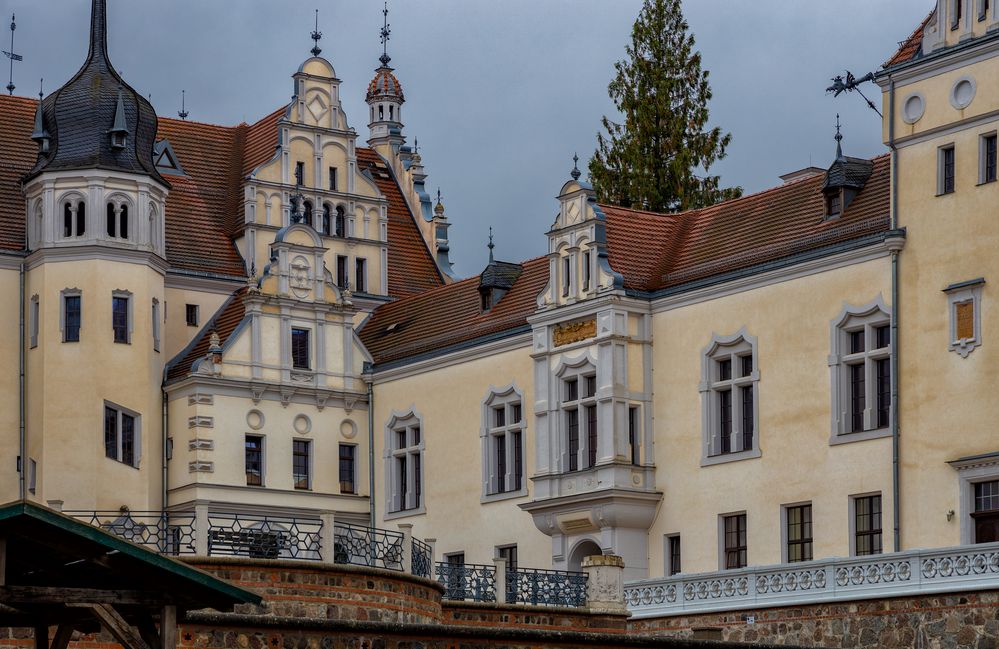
[(651, 161)]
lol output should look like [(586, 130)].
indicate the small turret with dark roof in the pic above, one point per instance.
[(497, 278), (96, 120), (844, 178)]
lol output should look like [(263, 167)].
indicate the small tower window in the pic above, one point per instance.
[(391, 112), (341, 222), (333, 179), (381, 111), (117, 221), (74, 219), (299, 173), (309, 213)]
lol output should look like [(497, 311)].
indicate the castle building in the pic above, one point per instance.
[(272, 326)]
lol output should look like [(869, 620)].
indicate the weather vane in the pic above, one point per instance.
[(317, 36), (11, 55), (849, 84), (183, 105), (575, 173), (385, 33), (491, 244), (439, 197)]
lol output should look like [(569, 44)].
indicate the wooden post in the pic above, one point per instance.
[(41, 637), (116, 625), (64, 633), (168, 627)]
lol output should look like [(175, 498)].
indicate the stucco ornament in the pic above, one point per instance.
[(574, 332), (605, 583), (300, 277)]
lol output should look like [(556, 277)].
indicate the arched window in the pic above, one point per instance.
[(391, 112), (309, 212), (74, 219), (729, 397), (502, 436), (381, 111), (860, 362), (327, 218), (341, 222), (117, 220)]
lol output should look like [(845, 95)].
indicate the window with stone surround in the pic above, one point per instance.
[(866, 525), (733, 537), (964, 301), (729, 397), (502, 434), (122, 440), (404, 463), (579, 418), (860, 364)]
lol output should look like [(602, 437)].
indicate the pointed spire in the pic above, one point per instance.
[(98, 30), (11, 55), (839, 140), (316, 37), (40, 135), (491, 245), (119, 131), (385, 34), (439, 206), (575, 173)]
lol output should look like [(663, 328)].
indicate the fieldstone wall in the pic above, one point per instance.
[(959, 621)]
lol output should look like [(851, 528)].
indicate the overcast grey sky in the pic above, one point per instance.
[(500, 93)]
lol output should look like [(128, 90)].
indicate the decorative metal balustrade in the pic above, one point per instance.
[(467, 581), (887, 575), (264, 537), (545, 587), (169, 533), (368, 546), (423, 559)]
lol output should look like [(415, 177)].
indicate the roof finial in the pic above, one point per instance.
[(183, 105), (416, 146), (839, 140), (316, 36), (385, 33), (99, 30), (439, 198), (575, 173), (11, 55), (41, 88), (491, 244)]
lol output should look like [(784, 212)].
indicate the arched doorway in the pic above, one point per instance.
[(586, 548)]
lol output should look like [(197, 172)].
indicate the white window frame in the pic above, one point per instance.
[(263, 459), (505, 397), (982, 156), (311, 445), (852, 318), (965, 293), (395, 508), (130, 303), (34, 313), (733, 348), (580, 372), (137, 431), (722, 563), (972, 470), (117, 202)]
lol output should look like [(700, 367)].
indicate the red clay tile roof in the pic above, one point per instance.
[(224, 322), (17, 155), (651, 251), (450, 315), (908, 48), (411, 269)]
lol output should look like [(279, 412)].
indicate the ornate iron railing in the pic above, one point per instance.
[(467, 581), (264, 537), (422, 559), (545, 587), (368, 546), (165, 532), (887, 575)]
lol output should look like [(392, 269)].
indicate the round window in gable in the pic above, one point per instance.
[(913, 108), (963, 93)]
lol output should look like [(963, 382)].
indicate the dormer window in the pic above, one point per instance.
[(74, 219), (117, 220), (119, 132), (834, 205), (487, 300)]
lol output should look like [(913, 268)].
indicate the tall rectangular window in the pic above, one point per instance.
[(254, 459), (572, 426), (121, 435), (566, 275), (735, 541), (406, 465), (867, 525), (300, 352), (72, 313), (301, 451), (586, 270), (110, 433), (518, 461), (156, 324), (883, 371), (947, 170), (360, 275), (986, 514), (342, 279), (128, 439), (333, 183), (674, 555), (633, 437), (748, 416), (299, 173), (989, 160), (34, 314), (858, 400), (725, 420), (191, 313), (591, 436), (500, 464), (799, 533), (348, 469), (119, 319)]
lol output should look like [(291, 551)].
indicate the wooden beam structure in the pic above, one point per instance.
[(14, 595), (116, 625)]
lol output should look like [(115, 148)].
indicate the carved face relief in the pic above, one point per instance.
[(301, 277)]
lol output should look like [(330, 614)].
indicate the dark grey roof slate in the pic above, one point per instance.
[(500, 274), (848, 172)]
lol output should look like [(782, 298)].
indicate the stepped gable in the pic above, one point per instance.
[(224, 323), (910, 47), (197, 237), (411, 268), (659, 251), (450, 315), (257, 144), (17, 156)]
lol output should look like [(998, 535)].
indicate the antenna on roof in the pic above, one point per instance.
[(11, 55), (317, 36), (385, 33), (849, 84), (182, 113)]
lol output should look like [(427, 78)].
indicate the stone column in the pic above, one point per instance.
[(201, 529), (605, 584), (407, 547), (327, 538), (500, 564)]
